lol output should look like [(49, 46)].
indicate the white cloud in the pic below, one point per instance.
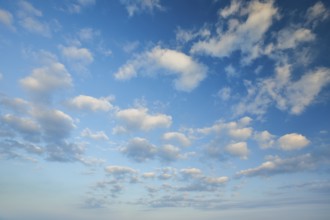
[(217, 180), (46, 80), (88, 34), (276, 165), (290, 95), (189, 72), (264, 139), (291, 37), (138, 6), (239, 149), (139, 150), (293, 141), (139, 119), (119, 170), (191, 173), (231, 71), (28, 127), (178, 137), (30, 19), (6, 18), (77, 54), (225, 93), (98, 135), (240, 133), (79, 5), (168, 153), (233, 8), (149, 175), (90, 103), (244, 36), (317, 13)]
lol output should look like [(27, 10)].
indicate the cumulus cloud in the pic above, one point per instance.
[(276, 165), (317, 13), (189, 73), (239, 149), (264, 139), (168, 153), (244, 36), (291, 37), (84, 102), (293, 141), (139, 150), (6, 18), (177, 137), (30, 19), (286, 93), (88, 34), (98, 135), (224, 93), (139, 119), (138, 6), (77, 54), (44, 81), (191, 173)]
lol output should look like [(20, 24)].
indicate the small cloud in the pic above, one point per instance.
[(7, 19), (264, 139), (98, 135), (139, 119), (317, 13), (139, 150), (293, 141), (224, 93), (177, 137), (83, 102), (168, 153), (88, 34), (189, 73), (138, 6), (239, 149)]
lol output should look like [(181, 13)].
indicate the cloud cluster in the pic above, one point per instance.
[(138, 6), (189, 73), (89, 103)]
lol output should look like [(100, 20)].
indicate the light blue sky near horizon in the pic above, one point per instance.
[(154, 109)]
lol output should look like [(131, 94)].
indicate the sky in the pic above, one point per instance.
[(164, 109)]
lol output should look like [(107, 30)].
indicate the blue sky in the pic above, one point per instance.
[(155, 110)]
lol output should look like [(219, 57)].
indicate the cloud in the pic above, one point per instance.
[(225, 93), (139, 150), (189, 72), (139, 119), (289, 38), (317, 13), (231, 71), (264, 139), (84, 102), (29, 19), (244, 36), (293, 141), (239, 149), (79, 54), (6, 18), (177, 137), (287, 94), (64, 151), (44, 81), (188, 173), (88, 34), (79, 5), (276, 165), (168, 153), (121, 172), (98, 135), (138, 6)]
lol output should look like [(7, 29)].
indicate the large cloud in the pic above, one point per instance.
[(139, 119), (189, 73), (293, 141)]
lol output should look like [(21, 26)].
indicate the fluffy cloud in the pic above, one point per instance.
[(138, 6), (168, 153), (243, 36), (139, 150), (224, 93), (276, 165), (191, 173), (98, 135), (293, 141), (189, 72), (140, 119), (30, 19), (239, 149), (264, 139), (77, 54), (178, 137), (6, 18), (290, 95), (317, 13), (88, 34), (90, 103), (291, 37), (45, 80)]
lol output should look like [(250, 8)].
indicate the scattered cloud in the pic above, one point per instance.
[(77, 6), (134, 7), (239, 149), (133, 119), (293, 141), (98, 135), (177, 137), (225, 93), (84, 102), (30, 19), (265, 139), (317, 13), (79, 58), (276, 165), (289, 38), (44, 81), (139, 150), (88, 34), (189, 72), (245, 36), (7, 19), (168, 153)]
